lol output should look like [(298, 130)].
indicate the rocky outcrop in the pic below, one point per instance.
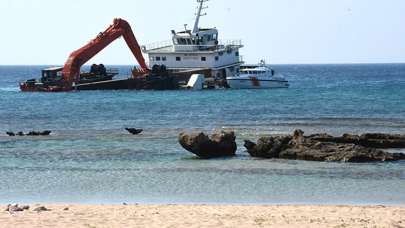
[(219, 145), (374, 140), (268, 147), (320, 147)]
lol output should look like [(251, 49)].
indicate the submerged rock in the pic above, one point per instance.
[(320, 147), (221, 144)]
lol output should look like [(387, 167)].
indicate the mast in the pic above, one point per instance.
[(198, 15)]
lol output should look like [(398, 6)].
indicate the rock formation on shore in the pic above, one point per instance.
[(323, 147), (219, 145)]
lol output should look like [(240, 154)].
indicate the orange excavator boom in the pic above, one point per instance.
[(120, 27)]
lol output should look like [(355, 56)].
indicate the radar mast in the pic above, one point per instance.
[(198, 15)]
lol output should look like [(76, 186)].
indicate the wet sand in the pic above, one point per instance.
[(205, 216)]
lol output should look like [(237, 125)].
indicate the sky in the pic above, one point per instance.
[(45, 32)]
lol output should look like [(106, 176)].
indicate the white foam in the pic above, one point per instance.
[(10, 89)]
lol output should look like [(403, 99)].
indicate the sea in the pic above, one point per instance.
[(89, 157)]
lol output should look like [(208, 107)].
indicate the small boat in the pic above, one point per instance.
[(259, 76)]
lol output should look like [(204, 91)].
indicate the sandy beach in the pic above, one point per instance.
[(205, 216)]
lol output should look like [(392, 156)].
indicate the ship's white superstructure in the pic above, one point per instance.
[(197, 49)]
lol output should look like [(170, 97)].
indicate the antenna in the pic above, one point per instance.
[(198, 15)]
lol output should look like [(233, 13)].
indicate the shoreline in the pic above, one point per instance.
[(202, 215)]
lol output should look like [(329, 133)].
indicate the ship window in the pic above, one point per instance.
[(237, 53), (221, 53), (164, 58), (216, 58), (178, 58), (215, 36), (182, 41), (203, 58), (157, 58), (188, 41), (152, 58)]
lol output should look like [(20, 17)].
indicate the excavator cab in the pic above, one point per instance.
[(51, 75)]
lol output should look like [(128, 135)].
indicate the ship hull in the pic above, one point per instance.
[(254, 83)]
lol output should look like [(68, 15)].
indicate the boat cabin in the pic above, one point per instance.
[(52, 74)]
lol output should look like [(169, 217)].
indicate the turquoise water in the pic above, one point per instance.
[(90, 158)]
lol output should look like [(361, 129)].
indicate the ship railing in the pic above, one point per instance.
[(231, 43), (113, 71), (157, 45), (169, 47)]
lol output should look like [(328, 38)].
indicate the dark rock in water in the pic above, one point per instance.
[(41, 208), (45, 133), (9, 133), (219, 145), (310, 148), (134, 131), (33, 133), (39, 133)]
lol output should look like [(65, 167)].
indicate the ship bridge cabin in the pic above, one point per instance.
[(197, 49)]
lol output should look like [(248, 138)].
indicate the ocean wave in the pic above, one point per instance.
[(9, 89)]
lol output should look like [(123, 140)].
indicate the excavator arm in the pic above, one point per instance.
[(71, 69)]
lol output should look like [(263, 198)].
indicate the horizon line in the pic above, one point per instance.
[(336, 63)]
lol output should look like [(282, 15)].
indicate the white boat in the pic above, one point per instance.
[(258, 76)]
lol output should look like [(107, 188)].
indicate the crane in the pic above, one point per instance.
[(120, 27)]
